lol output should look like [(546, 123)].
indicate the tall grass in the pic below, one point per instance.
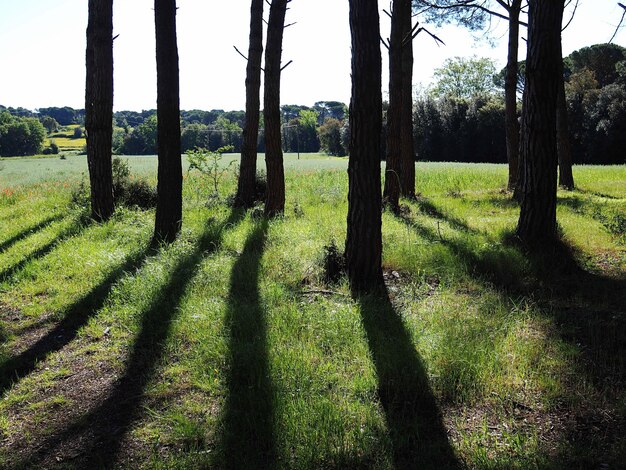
[(227, 349)]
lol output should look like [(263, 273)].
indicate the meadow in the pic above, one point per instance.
[(231, 348), (66, 140)]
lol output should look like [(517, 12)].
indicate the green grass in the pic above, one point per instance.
[(65, 139), (227, 349)]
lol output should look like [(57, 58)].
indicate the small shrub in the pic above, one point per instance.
[(139, 193), (334, 263), (78, 132), (81, 196), (126, 191), (121, 173), (131, 192), (53, 149), (209, 164), (298, 212)]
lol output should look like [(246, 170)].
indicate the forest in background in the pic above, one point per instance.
[(460, 117)]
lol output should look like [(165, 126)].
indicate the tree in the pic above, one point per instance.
[(393, 165), (461, 77), (407, 150), (363, 250), (602, 59), (170, 175), (330, 109), (307, 131), (49, 123), (247, 168), (99, 107), (564, 148), (275, 201), (510, 94), (20, 136), (537, 221), (142, 140), (330, 137), (64, 116), (473, 14)]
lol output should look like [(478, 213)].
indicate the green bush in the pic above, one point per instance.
[(131, 192), (127, 191), (20, 136)]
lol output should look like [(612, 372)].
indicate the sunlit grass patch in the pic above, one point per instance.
[(230, 347)]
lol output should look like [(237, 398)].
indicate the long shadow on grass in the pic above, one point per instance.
[(5, 245), (589, 312), (75, 317), (95, 438), (417, 432), (249, 440), (427, 207), (74, 229)]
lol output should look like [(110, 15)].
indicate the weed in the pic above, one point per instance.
[(334, 263), (209, 164)]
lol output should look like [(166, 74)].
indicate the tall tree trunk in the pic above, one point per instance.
[(510, 96), (364, 235), (393, 166), (247, 169), (537, 222), (99, 106), (170, 175), (275, 201), (564, 148), (407, 175)]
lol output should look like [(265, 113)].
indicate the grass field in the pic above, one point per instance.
[(65, 139), (229, 349)]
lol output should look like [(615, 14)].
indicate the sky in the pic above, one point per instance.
[(42, 50)]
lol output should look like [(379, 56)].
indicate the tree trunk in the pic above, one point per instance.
[(393, 167), (407, 175), (364, 236), (275, 202), (247, 169), (537, 222), (510, 96), (99, 106), (564, 148), (170, 176)]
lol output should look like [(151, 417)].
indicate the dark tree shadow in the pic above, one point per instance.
[(95, 439), (416, 429), (74, 229), (588, 311), (427, 207), (248, 421), (596, 193), (5, 245), (76, 316)]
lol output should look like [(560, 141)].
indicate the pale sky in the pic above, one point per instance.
[(42, 50)]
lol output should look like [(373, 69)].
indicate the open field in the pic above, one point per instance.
[(229, 349), (65, 139)]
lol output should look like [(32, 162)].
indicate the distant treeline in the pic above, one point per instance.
[(447, 127), (306, 129)]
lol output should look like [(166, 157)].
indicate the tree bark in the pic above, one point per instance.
[(275, 202), (510, 96), (99, 106), (537, 222), (364, 232), (393, 165), (170, 180), (564, 148), (407, 175), (247, 169)]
